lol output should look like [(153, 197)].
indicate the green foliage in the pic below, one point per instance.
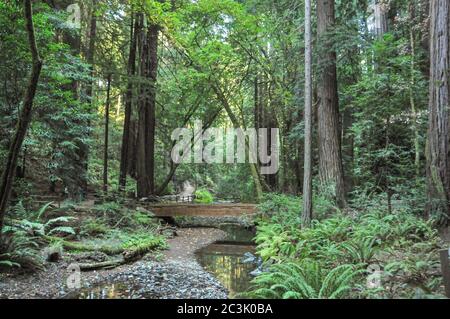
[(19, 249), (402, 244), (50, 228), (93, 227), (305, 280), (203, 196), (144, 242)]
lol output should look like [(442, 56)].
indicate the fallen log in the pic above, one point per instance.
[(102, 265)]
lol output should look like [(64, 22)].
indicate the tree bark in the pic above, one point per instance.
[(25, 116), (307, 176), (330, 157), (127, 137), (147, 113), (438, 159)]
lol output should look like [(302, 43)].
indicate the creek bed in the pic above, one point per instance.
[(213, 270), (224, 259)]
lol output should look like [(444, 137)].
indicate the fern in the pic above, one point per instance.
[(305, 280), (360, 251), (42, 210), (17, 249)]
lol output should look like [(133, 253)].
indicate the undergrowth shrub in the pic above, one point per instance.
[(305, 280), (203, 196), (402, 244), (19, 249)]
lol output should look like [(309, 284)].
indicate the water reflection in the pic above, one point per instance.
[(106, 291), (224, 261)]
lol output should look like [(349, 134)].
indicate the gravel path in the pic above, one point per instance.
[(177, 276)]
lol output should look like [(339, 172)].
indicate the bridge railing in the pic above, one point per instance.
[(185, 199)]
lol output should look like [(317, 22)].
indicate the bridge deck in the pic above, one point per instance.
[(201, 210)]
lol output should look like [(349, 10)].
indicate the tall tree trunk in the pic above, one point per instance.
[(147, 114), (106, 146), (25, 116), (89, 96), (438, 159), (330, 157), (307, 176), (127, 137)]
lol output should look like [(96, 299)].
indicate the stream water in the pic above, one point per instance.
[(222, 259)]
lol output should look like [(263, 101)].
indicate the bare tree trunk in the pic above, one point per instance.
[(307, 176), (25, 116), (153, 73), (126, 139), (106, 146), (438, 159), (147, 114), (330, 157)]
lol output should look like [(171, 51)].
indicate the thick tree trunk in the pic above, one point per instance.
[(307, 175), (438, 157), (330, 157), (25, 116), (127, 136), (147, 114)]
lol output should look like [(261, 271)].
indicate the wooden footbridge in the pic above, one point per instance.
[(185, 206), (201, 210)]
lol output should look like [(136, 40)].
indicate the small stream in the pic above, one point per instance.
[(223, 259)]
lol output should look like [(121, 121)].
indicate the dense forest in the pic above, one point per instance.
[(92, 93)]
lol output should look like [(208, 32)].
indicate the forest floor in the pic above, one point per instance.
[(175, 274)]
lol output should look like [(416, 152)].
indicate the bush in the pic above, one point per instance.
[(203, 196)]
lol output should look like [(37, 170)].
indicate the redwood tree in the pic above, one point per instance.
[(438, 159), (307, 182), (147, 112), (330, 157)]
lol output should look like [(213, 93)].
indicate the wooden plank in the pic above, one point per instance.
[(445, 265), (222, 210)]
